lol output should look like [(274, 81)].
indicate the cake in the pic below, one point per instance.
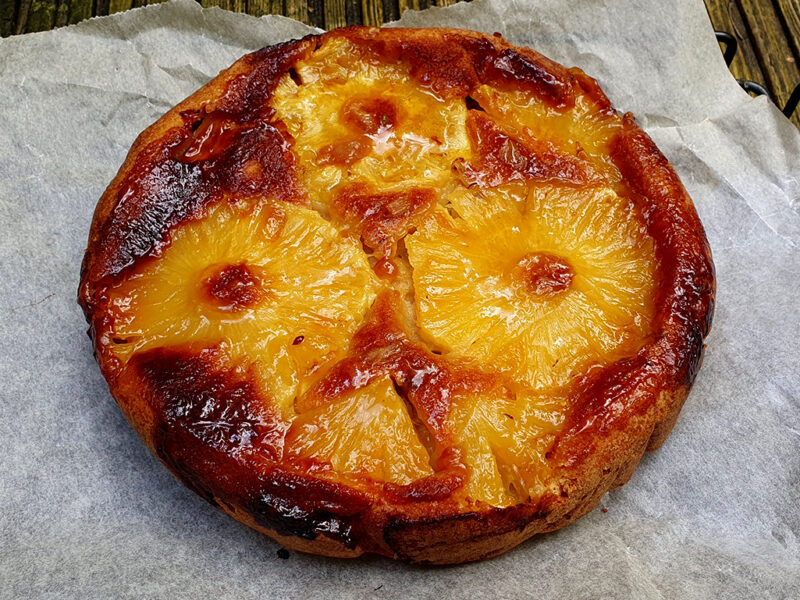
[(412, 292)]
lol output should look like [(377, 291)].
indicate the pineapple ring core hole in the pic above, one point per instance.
[(545, 274), (369, 115), (232, 288)]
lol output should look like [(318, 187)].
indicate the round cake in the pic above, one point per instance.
[(413, 292)]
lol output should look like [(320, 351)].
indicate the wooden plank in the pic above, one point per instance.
[(352, 12), (278, 8), (258, 8), (405, 5), (446, 2), (7, 18), (22, 16), (790, 13), (116, 6), (297, 9), (316, 13), (234, 5), (8, 21), (372, 13), (769, 42), (101, 8), (79, 10), (390, 11), (725, 16), (335, 14), (41, 17), (62, 14)]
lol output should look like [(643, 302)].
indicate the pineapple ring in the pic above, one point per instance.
[(228, 279), (563, 269), (417, 293)]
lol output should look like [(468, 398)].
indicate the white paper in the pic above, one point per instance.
[(87, 512)]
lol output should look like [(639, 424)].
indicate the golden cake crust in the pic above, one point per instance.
[(224, 142)]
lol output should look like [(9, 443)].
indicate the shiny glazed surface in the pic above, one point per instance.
[(377, 278)]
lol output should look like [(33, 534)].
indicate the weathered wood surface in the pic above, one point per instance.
[(768, 31)]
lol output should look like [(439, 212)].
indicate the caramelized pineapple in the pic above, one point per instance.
[(367, 122), (540, 282), (505, 439), (412, 292), (369, 434), (272, 283)]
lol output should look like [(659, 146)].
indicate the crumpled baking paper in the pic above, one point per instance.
[(87, 512)]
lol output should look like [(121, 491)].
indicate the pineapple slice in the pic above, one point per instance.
[(538, 282), (367, 433), (585, 131), (367, 122), (504, 440), (271, 282)]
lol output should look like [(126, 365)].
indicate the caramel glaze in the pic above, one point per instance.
[(502, 158), (210, 427), (455, 64), (545, 274), (233, 288), (430, 383), (382, 218)]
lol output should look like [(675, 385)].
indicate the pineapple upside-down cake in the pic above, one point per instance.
[(418, 293)]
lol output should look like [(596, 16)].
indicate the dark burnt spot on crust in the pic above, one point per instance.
[(382, 218), (443, 66), (239, 158), (247, 95), (207, 422), (162, 191), (158, 194), (501, 157), (219, 436), (453, 65), (232, 288), (296, 506)]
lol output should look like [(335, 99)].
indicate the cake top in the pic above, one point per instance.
[(418, 270)]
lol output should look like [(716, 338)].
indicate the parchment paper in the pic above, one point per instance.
[(87, 512)]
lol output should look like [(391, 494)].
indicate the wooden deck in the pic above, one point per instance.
[(767, 31)]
